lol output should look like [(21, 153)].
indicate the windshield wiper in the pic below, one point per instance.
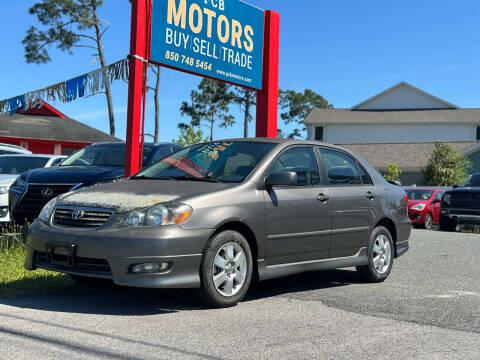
[(193, 178), (143, 177)]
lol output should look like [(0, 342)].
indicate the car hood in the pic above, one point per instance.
[(128, 195), (7, 179), (73, 175), (474, 189)]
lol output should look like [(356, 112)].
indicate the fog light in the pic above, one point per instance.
[(3, 212), (149, 268)]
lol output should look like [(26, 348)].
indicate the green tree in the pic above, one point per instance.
[(393, 172), (295, 106), (446, 166), (69, 24), (247, 99), (189, 136), (209, 105)]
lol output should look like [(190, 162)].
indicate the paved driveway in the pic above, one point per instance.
[(428, 308)]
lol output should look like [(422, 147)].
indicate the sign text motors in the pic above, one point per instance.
[(221, 39)]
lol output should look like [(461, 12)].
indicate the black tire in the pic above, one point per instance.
[(208, 293), (89, 281), (368, 272), (428, 221), (447, 224)]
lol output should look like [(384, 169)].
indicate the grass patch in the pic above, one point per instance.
[(14, 279)]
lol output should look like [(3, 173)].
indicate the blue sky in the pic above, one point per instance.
[(346, 50)]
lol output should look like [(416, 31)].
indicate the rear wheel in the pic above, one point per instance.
[(380, 256), (447, 224), (226, 270), (428, 222)]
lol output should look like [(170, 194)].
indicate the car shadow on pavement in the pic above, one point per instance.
[(310, 281), (109, 299)]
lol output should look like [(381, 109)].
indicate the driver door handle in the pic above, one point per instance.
[(370, 195), (323, 198)]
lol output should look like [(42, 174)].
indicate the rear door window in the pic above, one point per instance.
[(341, 169)]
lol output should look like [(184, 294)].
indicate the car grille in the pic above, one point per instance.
[(465, 199), (80, 263), (33, 201), (91, 218)]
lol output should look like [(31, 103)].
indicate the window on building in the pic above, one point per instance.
[(319, 133), (478, 132)]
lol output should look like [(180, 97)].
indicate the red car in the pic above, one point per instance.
[(424, 206)]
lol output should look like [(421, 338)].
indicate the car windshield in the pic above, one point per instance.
[(19, 164), (103, 155), (226, 162), (472, 181), (419, 194)]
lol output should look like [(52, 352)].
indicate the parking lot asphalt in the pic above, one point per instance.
[(428, 308)]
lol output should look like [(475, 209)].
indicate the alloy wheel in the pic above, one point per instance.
[(382, 254), (229, 269), (428, 221)]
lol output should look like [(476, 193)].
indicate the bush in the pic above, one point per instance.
[(393, 172), (447, 166)]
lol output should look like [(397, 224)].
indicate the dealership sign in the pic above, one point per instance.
[(220, 39)]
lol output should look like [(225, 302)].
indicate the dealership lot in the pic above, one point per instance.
[(428, 308)]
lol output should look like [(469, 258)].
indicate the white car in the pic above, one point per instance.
[(7, 149), (11, 166)]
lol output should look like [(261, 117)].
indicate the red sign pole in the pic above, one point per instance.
[(267, 98), (138, 51)]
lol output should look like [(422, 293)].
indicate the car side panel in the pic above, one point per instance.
[(353, 218)]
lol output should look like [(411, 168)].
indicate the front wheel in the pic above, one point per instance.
[(447, 224), (226, 270), (380, 256), (428, 222)]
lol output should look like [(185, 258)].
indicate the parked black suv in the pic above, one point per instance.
[(461, 205), (95, 164)]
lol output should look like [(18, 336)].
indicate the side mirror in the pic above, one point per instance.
[(286, 178), (435, 201)]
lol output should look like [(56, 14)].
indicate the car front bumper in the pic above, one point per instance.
[(111, 253), (416, 217), (4, 210), (462, 216)]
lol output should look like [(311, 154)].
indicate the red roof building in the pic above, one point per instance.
[(42, 129)]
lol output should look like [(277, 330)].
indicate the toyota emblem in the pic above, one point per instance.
[(78, 214), (47, 193)]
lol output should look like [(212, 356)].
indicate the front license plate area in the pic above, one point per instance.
[(61, 254)]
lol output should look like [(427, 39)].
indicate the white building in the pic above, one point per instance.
[(401, 125)]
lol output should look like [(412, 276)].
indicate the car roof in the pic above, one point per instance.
[(50, 156), (278, 141)]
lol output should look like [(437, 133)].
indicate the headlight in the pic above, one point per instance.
[(158, 215), (419, 207), (4, 189), (47, 210), (447, 198), (19, 185)]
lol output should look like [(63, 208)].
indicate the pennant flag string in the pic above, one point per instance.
[(88, 84)]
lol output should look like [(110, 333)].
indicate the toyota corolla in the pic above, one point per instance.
[(216, 216)]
